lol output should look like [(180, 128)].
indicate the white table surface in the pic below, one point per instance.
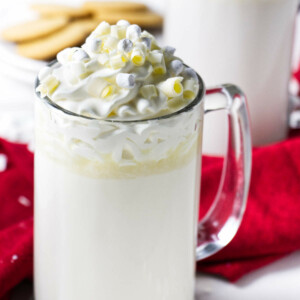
[(277, 281)]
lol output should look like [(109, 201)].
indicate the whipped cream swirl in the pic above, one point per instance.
[(119, 73)]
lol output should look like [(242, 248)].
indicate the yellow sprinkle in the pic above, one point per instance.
[(137, 57), (51, 84), (85, 75), (159, 70), (148, 91), (177, 87), (189, 88), (117, 61), (107, 91), (110, 43), (118, 31), (138, 60), (171, 87), (111, 114), (177, 103), (122, 33), (189, 95)]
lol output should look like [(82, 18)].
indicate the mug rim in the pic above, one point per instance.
[(189, 107)]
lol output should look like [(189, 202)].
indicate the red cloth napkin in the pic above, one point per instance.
[(16, 209), (270, 229), (271, 224)]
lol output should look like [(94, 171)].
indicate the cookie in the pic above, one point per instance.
[(33, 29), (144, 19), (50, 10), (47, 47), (118, 6)]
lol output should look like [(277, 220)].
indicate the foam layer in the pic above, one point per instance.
[(100, 148)]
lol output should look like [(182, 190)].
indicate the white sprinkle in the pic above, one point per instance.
[(116, 31), (125, 45), (81, 55), (148, 91), (3, 162), (110, 43), (24, 201), (147, 41), (123, 23), (189, 73), (155, 57), (65, 55), (168, 50), (94, 44), (133, 32), (125, 80), (176, 67), (102, 28)]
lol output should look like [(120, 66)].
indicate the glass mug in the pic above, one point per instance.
[(117, 202)]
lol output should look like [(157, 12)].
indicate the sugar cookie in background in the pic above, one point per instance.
[(46, 48), (33, 29), (115, 6), (145, 19), (52, 10), (62, 26)]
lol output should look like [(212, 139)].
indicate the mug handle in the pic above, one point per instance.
[(220, 224)]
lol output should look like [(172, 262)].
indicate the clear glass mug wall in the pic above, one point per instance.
[(116, 203), (247, 42)]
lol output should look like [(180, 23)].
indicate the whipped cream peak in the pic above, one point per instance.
[(120, 72)]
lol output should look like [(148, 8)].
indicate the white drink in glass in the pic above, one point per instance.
[(117, 171), (112, 230)]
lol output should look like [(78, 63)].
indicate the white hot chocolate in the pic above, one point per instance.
[(116, 171)]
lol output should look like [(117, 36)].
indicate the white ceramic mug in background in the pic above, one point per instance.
[(117, 202), (248, 42)]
